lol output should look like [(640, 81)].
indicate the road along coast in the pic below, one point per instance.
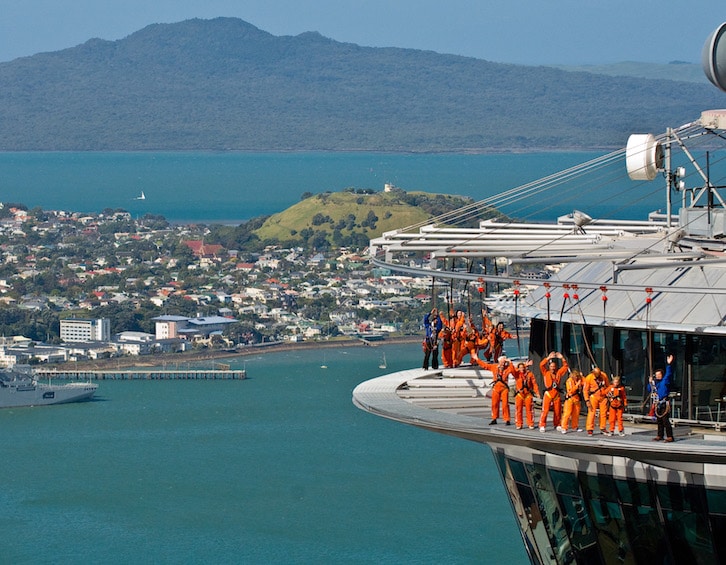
[(207, 355)]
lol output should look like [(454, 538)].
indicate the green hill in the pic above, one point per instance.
[(353, 217)]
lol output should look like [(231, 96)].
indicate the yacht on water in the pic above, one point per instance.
[(18, 387), (383, 364), (621, 295)]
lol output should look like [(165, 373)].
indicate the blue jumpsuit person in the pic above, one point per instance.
[(432, 324), (660, 387)]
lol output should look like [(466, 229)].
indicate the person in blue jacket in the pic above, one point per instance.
[(660, 388), (432, 324)]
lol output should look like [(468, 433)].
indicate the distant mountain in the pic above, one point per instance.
[(224, 84), (675, 70)]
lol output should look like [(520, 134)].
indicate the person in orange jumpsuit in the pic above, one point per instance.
[(617, 401), (456, 335), (573, 397), (470, 338), (593, 390), (552, 375), (483, 346), (497, 335), (524, 385), (484, 343), (447, 346), (500, 387)]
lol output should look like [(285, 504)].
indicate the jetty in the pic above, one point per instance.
[(142, 374)]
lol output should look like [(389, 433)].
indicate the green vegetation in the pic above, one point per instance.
[(223, 84), (352, 217), (349, 218)]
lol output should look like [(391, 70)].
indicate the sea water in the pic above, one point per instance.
[(278, 468), (230, 187)]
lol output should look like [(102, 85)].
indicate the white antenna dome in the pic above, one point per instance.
[(643, 156), (713, 57)]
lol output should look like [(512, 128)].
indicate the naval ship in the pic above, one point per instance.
[(19, 387), (621, 294)]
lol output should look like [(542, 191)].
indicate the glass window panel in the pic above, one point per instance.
[(718, 529), (518, 472), (664, 344), (709, 353), (682, 498), (716, 500), (526, 508), (577, 523), (530, 505), (690, 537), (565, 483), (635, 493), (686, 521), (634, 361), (645, 532), (539, 534), (600, 486), (551, 512), (601, 496)]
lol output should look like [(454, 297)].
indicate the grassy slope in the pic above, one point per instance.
[(391, 211)]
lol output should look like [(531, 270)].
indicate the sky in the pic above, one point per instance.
[(529, 32)]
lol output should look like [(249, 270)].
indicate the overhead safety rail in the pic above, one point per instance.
[(471, 243)]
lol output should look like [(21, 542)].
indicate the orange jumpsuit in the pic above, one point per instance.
[(469, 337), (484, 343), (617, 399), (497, 335), (483, 346), (447, 346), (500, 389), (551, 397), (525, 385), (456, 335), (594, 392), (571, 412)]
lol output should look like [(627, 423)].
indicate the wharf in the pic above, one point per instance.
[(142, 374)]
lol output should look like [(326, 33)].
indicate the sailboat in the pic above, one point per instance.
[(323, 366), (142, 196), (383, 364)]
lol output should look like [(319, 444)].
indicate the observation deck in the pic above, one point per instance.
[(457, 402)]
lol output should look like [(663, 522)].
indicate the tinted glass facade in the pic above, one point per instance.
[(569, 514)]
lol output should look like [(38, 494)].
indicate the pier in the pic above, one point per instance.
[(143, 374)]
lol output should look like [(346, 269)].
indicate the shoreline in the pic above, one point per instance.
[(207, 355)]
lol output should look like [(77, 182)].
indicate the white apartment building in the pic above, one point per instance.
[(81, 330)]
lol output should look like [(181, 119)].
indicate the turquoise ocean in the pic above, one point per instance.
[(231, 187), (279, 468)]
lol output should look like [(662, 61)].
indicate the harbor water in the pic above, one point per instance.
[(230, 187), (277, 468)]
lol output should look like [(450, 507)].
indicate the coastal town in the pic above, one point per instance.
[(77, 287)]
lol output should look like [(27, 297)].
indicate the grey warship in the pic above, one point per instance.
[(19, 387)]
